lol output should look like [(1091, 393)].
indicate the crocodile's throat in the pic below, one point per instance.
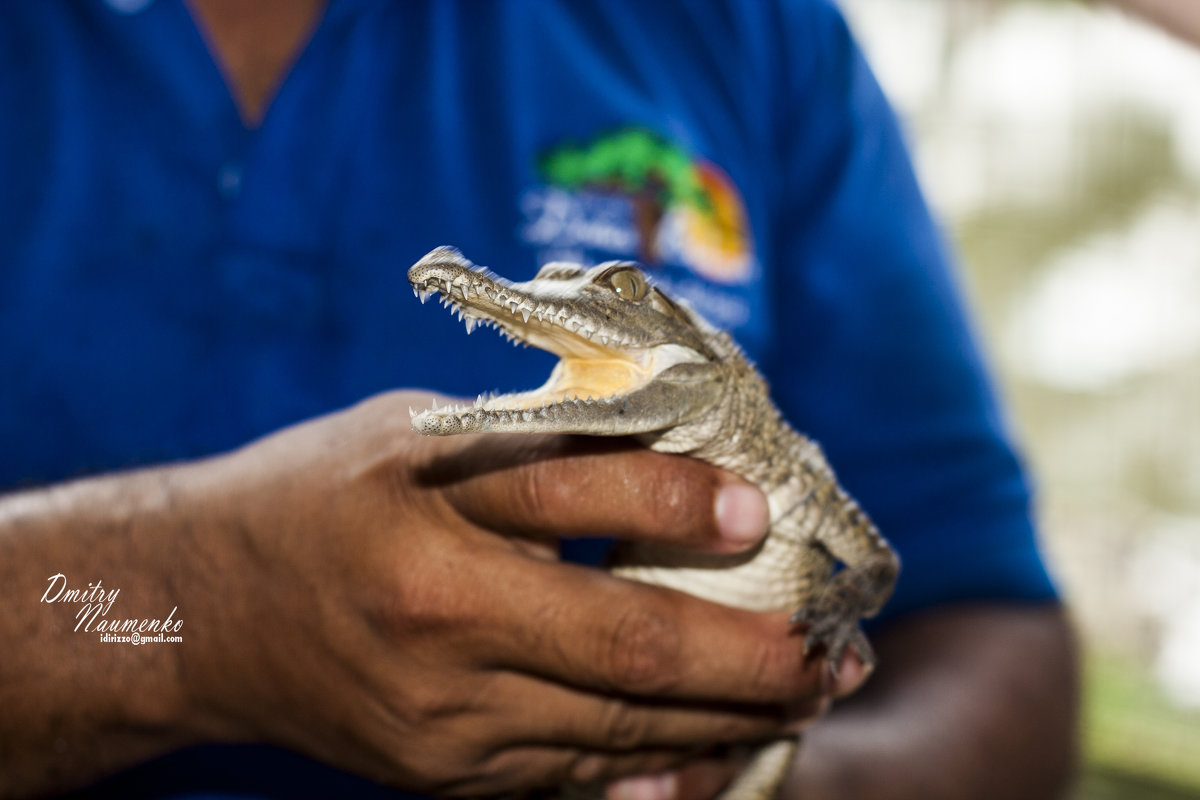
[(601, 362)]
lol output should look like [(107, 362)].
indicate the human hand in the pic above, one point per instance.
[(707, 776), (393, 605)]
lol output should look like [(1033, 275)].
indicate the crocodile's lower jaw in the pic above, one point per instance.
[(577, 379), (583, 389)]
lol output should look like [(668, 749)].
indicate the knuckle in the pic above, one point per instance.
[(679, 502), (523, 769), (622, 727), (485, 776), (419, 604), (586, 768), (643, 651), (540, 490), (428, 706), (777, 674)]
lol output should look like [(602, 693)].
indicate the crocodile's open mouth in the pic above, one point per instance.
[(600, 362)]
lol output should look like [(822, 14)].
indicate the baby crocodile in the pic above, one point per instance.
[(634, 362)]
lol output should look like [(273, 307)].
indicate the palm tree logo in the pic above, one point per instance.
[(662, 182)]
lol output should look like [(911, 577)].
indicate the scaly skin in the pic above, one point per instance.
[(635, 363)]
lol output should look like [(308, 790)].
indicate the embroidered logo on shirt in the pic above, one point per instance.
[(633, 194)]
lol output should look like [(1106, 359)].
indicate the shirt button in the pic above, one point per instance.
[(229, 180), (129, 6)]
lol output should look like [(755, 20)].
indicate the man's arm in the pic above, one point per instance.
[(75, 706), (388, 604), (968, 702)]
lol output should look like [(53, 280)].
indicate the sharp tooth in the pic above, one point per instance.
[(603, 339), (525, 315), (470, 324), (422, 295), (412, 412)]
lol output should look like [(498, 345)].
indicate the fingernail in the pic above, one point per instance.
[(644, 787), (850, 676), (742, 516)]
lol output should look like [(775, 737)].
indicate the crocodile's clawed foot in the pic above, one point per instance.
[(834, 633)]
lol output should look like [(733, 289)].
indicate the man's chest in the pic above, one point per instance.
[(178, 283)]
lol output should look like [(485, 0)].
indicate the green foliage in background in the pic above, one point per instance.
[(1136, 743)]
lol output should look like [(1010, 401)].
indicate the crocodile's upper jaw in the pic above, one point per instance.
[(628, 364)]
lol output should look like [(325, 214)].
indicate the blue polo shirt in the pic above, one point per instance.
[(173, 284)]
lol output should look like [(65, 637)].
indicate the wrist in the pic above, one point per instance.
[(211, 553), (245, 568), (93, 566)]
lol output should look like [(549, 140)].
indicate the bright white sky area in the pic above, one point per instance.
[(1003, 119), (1120, 303), (1011, 116)]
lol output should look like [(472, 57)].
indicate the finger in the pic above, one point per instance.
[(663, 786), (705, 778), (699, 779), (541, 712), (519, 768), (850, 675), (576, 486), (588, 629)]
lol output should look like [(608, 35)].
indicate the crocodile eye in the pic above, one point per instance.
[(629, 284)]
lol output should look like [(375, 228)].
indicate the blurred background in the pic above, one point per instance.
[(1060, 144)]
